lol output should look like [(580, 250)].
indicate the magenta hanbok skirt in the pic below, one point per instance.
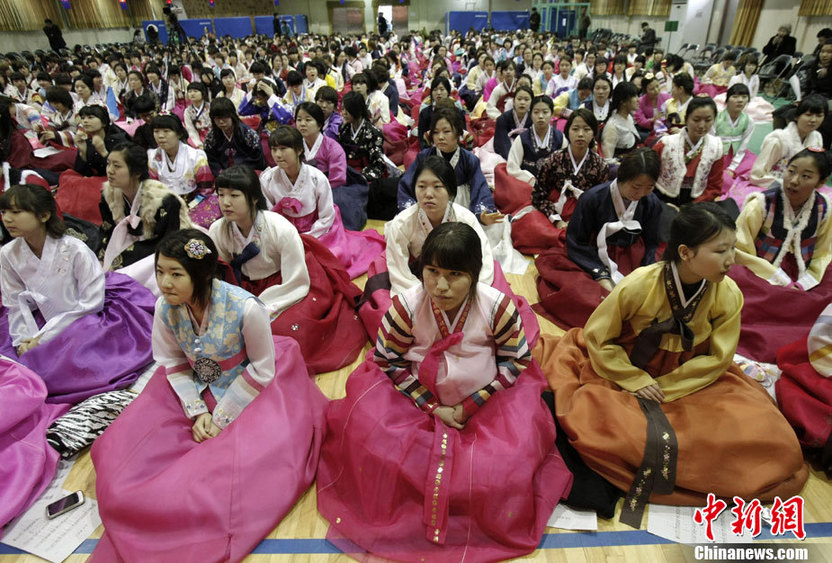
[(97, 353), (376, 300), (164, 497), (28, 461), (773, 315), (383, 471), (354, 249)]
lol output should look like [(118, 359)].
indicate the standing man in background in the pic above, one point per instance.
[(276, 24), (583, 25), (534, 20), (382, 24), (53, 33)]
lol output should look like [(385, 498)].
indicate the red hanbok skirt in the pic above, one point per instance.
[(568, 295), (532, 233), (772, 315), (805, 399), (79, 195), (324, 323)]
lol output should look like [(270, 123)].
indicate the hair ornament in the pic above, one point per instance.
[(196, 249)]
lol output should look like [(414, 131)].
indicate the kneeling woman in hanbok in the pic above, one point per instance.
[(804, 391), (780, 146), (540, 220), (301, 193), (784, 239), (183, 169), (225, 437), (450, 393), (305, 288), (62, 310), (325, 154), (136, 212), (613, 231), (646, 391), (391, 273)]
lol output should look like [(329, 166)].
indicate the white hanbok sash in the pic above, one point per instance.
[(625, 222)]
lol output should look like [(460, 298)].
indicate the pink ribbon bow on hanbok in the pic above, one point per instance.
[(289, 204)]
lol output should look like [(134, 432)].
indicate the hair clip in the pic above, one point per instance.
[(649, 76), (196, 249)]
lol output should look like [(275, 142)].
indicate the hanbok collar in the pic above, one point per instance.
[(296, 100), (300, 181), (447, 328), (123, 236), (518, 123), (176, 166), (424, 221), (625, 214), (200, 110), (678, 300), (454, 157), (253, 235), (692, 150), (795, 224), (355, 131), (576, 167), (310, 153), (508, 88), (601, 113), (538, 143)]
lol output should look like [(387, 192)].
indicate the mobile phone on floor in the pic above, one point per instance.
[(65, 504)]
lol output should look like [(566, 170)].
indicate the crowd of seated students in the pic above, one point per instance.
[(248, 168)]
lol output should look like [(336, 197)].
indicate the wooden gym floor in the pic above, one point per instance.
[(300, 537)]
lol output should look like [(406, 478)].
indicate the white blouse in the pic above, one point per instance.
[(311, 189), (405, 235), (64, 284), (281, 250)]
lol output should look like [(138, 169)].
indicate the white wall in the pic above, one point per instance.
[(32, 40)]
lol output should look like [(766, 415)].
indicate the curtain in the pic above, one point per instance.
[(17, 15), (815, 8), (658, 8), (745, 22), (607, 8), (108, 13)]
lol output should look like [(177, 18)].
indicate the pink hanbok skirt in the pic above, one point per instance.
[(29, 462), (500, 479), (164, 497), (355, 249)]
